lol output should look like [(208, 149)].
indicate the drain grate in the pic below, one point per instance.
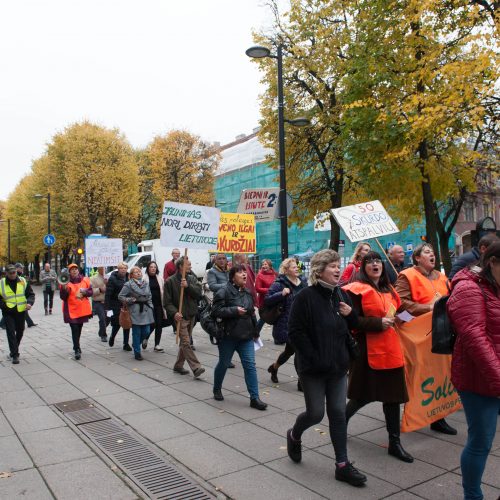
[(149, 471)]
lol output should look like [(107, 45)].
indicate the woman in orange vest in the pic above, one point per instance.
[(419, 287), (77, 308), (378, 373)]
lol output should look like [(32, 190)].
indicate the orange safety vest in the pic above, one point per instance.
[(424, 290), (384, 348), (78, 308)]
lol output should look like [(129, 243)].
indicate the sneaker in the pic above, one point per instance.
[(349, 474), (158, 349), (198, 372), (293, 447), (181, 371), (126, 347), (15, 359), (145, 343)]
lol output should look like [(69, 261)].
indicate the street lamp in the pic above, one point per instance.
[(8, 239), (48, 220), (259, 52)]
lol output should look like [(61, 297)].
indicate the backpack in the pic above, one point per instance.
[(213, 326), (443, 334), (270, 314)]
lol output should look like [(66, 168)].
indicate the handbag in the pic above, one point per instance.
[(124, 318), (270, 314), (352, 347)]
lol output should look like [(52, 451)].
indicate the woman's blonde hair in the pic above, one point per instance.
[(355, 256), (133, 268), (319, 262), (122, 264), (285, 265)]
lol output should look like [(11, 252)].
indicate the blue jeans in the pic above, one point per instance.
[(481, 413), (246, 351), (139, 333)]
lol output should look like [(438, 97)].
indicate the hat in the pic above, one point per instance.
[(9, 268), (71, 266), (19, 265)]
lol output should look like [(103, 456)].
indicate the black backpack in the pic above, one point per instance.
[(213, 326), (443, 334)]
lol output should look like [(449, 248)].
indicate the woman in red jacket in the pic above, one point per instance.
[(265, 278), (474, 310), (352, 269)]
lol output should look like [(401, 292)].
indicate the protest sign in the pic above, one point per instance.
[(261, 202), (236, 233), (364, 221), (103, 252), (428, 376), (189, 226)]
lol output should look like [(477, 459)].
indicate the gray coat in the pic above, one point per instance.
[(217, 279), (141, 309), (48, 277)]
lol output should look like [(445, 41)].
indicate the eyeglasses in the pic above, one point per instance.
[(373, 261)]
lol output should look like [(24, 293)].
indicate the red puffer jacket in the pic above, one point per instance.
[(475, 364)]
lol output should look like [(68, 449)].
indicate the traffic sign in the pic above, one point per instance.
[(49, 240)]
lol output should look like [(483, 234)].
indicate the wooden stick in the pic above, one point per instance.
[(181, 298), (387, 257)]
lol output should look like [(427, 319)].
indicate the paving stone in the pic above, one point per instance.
[(158, 425), (403, 495), (359, 424), (5, 428), (491, 474), (45, 379), (97, 386), (147, 365), (58, 393), (260, 444), (259, 482), (30, 368), (34, 419), (164, 396), (203, 416), (123, 403), (460, 438), (134, 381), (198, 389), (13, 457), (55, 446), (84, 479), (317, 472), (25, 484), (26, 398), (205, 455), (12, 384), (240, 406), (7, 371), (165, 375), (107, 369), (282, 399)]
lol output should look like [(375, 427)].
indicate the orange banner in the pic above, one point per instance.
[(428, 377)]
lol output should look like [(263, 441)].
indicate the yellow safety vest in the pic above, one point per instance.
[(17, 299)]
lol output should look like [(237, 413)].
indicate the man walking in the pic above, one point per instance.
[(16, 298), (20, 273), (169, 268), (186, 316), (48, 279), (98, 284)]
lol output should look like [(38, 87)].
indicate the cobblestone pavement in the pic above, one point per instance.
[(228, 448)]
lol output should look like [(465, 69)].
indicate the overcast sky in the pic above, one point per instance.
[(144, 66)]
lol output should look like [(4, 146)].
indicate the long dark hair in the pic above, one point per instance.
[(157, 270), (384, 284), (492, 252)]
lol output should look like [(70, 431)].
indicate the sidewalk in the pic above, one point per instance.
[(227, 447)]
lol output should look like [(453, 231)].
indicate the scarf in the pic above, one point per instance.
[(326, 285)]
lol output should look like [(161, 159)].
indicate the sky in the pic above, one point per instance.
[(143, 66)]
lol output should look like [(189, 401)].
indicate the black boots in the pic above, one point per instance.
[(218, 395), (78, 353), (294, 448), (258, 404), (349, 474), (391, 412), (274, 374), (443, 427)]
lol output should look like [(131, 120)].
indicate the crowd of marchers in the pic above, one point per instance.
[(338, 326)]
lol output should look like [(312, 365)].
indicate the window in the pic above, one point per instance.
[(469, 211), (143, 261), (486, 210)]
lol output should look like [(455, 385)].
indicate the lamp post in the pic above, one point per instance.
[(8, 238), (48, 220), (259, 52)]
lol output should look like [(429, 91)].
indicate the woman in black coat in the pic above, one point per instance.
[(111, 303), (318, 329)]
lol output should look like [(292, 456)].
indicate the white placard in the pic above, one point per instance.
[(322, 222), (364, 221), (189, 226), (103, 252), (261, 202)]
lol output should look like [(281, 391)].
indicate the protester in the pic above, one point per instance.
[(396, 256), (235, 306), (76, 304), (20, 272), (378, 373), (156, 285), (136, 294), (113, 288), (169, 268), (283, 292), (349, 274), (16, 297), (419, 287), (98, 284), (319, 330), (217, 275), (185, 317), (210, 263), (472, 258), (474, 311), (265, 278), (48, 279), (242, 259)]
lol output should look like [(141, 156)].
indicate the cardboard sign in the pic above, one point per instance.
[(364, 221), (236, 233), (189, 226), (260, 202), (428, 376), (103, 252)]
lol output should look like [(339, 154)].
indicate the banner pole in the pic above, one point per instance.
[(387, 257), (181, 298)]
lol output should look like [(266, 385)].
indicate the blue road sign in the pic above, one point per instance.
[(49, 240)]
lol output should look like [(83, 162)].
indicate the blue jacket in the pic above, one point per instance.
[(464, 260)]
